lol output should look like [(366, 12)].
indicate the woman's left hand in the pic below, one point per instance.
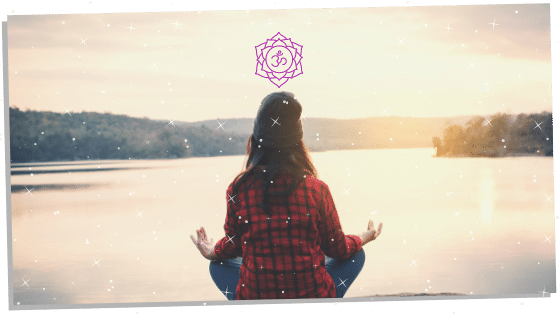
[(205, 246)]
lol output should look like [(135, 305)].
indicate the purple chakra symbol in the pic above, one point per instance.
[(279, 59)]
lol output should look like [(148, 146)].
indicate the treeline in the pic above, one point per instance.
[(46, 136), (501, 135)]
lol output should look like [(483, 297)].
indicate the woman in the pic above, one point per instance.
[(281, 223)]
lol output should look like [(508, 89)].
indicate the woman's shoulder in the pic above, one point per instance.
[(316, 183), (244, 178)]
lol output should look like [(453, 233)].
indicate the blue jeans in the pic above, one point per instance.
[(225, 273)]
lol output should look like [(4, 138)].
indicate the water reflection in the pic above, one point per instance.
[(150, 258), (72, 170), (67, 164), (486, 195), (47, 187)]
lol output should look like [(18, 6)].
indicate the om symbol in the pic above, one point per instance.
[(278, 60)]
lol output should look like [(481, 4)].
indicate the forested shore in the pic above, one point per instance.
[(46, 136), (39, 136), (501, 135)]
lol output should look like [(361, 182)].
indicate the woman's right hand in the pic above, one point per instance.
[(205, 246), (370, 234)]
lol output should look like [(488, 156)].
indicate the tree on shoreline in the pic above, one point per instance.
[(501, 135)]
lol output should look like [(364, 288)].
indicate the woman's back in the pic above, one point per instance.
[(284, 252)]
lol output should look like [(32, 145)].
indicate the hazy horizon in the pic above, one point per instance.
[(431, 61), (307, 117)]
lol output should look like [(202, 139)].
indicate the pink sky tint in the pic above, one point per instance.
[(356, 62)]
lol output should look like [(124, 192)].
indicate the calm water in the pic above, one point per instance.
[(450, 225)]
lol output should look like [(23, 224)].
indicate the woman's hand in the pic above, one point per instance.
[(205, 246), (370, 234)]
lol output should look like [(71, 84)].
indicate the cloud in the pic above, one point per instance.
[(105, 32)]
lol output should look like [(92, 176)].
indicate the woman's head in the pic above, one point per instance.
[(277, 140), (277, 137), (278, 123)]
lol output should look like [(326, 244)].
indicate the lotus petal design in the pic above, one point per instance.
[(279, 59)]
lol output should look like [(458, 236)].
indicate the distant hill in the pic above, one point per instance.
[(364, 133), (243, 126), (46, 136)]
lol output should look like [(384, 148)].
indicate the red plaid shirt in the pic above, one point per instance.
[(284, 253)]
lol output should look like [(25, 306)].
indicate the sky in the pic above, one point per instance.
[(427, 61)]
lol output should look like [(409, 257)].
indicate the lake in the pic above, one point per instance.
[(118, 231)]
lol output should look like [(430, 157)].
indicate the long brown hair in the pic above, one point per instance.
[(295, 160)]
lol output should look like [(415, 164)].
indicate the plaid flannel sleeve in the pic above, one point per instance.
[(230, 245), (334, 242)]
